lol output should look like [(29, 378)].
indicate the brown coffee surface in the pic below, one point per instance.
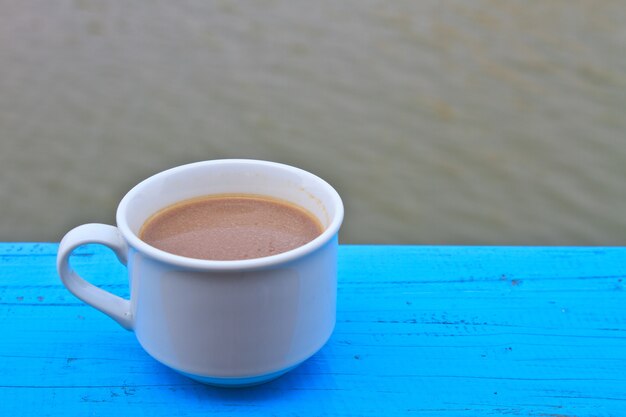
[(230, 227)]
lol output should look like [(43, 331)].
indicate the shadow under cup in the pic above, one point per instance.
[(232, 323)]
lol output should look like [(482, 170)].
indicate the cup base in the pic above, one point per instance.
[(231, 382)]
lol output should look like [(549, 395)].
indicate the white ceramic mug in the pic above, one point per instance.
[(231, 323)]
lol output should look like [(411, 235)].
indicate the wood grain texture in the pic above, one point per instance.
[(441, 331)]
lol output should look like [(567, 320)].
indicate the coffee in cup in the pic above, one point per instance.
[(230, 227)]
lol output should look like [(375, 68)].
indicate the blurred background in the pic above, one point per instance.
[(439, 122)]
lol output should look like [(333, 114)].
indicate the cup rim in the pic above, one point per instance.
[(228, 265)]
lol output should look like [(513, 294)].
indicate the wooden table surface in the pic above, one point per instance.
[(430, 331)]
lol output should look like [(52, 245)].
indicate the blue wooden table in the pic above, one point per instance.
[(447, 331)]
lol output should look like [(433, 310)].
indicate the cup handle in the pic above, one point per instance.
[(115, 307)]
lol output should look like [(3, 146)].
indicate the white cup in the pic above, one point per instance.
[(230, 323)]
